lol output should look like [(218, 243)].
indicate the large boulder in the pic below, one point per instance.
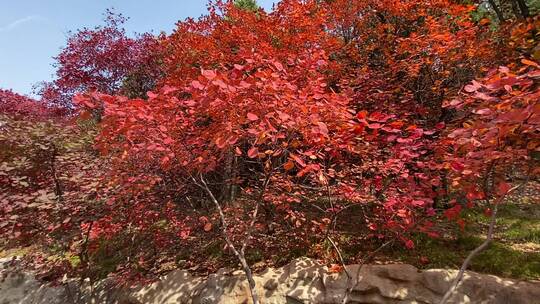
[(303, 281)]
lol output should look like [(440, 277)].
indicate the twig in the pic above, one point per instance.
[(349, 276), (364, 260), (457, 281), (84, 254), (238, 254), (57, 186), (335, 215), (255, 212), (340, 256)]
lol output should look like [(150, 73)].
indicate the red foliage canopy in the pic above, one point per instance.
[(331, 115), (12, 103), (104, 58)]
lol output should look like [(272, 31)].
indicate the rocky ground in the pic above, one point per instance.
[(302, 281)]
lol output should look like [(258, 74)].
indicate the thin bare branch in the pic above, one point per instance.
[(366, 258), (457, 281), (255, 212), (230, 244)]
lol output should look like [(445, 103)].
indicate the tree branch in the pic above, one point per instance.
[(255, 212), (366, 258), (239, 254), (477, 250)]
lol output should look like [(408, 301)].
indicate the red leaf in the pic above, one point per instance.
[(220, 83), (457, 166), (253, 152), (482, 111), (318, 96), (379, 117), (418, 203), (359, 129), (252, 117), (362, 114), (453, 213), (502, 188), (278, 66), (298, 160), (452, 103), (534, 74), (209, 74), (323, 128), (168, 90), (221, 143), (85, 115), (473, 87), (409, 244), (470, 88), (483, 96), (184, 233), (197, 85), (168, 141)]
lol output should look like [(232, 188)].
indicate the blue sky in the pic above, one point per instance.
[(33, 31)]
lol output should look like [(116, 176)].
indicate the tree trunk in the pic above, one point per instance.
[(523, 7), (497, 10), (515, 9), (226, 190)]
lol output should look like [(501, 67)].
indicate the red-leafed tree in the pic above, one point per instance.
[(282, 130), (106, 59), (15, 104), (47, 170), (252, 112), (495, 148)]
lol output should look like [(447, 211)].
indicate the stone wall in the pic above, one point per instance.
[(301, 281)]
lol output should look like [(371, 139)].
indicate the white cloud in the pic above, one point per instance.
[(19, 22)]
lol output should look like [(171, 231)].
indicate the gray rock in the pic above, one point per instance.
[(303, 281)]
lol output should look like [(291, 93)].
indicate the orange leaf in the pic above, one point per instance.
[(529, 62), (362, 114), (288, 165), (85, 115), (221, 143), (335, 268), (485, 21)]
